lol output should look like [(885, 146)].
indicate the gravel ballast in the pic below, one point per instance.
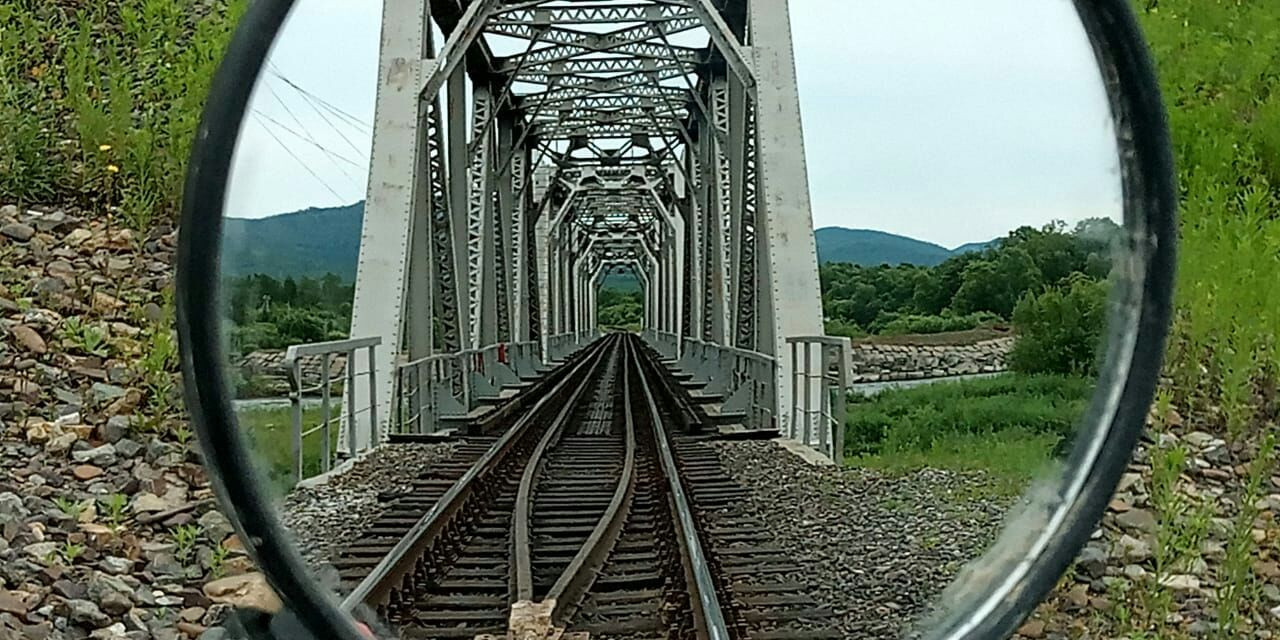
[(324, 517), (879, 549)]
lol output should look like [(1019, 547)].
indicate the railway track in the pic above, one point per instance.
[(592, 514)]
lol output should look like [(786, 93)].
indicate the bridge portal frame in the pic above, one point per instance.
[(459, 250)]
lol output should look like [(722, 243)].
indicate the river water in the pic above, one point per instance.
[(873, 388)]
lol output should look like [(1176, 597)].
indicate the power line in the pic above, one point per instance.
[(310, 138), (352, 120), (299, 160), (320, 112), (307, 139)]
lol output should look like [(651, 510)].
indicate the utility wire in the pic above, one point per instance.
[(336, 130), (306, 139), (307, 133), (354, 121), (299, 160)]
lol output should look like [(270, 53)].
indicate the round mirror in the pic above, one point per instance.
[(675, 319)]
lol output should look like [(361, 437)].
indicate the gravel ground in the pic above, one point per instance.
[(881, 549), (323, 517)]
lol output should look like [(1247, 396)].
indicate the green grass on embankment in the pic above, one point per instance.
[(270, 431), (1010, 426)]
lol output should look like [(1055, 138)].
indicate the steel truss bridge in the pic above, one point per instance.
[(524, 150)]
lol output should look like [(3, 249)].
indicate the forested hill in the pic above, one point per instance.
[(869, 248), (314, 242)]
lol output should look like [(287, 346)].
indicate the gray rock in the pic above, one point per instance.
[(50, 285), (103, 392), (1092, 561), (157, 449), (68, 397), (11, 505), (128, 448), (70, 590), (164, 564), (112, 594), (116, 428), (103, 456), (116, 565), (152, 312), (86, 613), (117, 374), (18, 231), (214, 633), (113, 632), (1132, 549), (215, 526), (1137, 520), (41, 550)]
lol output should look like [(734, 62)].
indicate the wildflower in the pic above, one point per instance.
[(104, 147), (113, 169)]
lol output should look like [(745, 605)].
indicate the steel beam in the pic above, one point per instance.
[(788, 293), (394, 214)]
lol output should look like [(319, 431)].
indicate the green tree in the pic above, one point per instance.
[(996, 285), (1060, 329)]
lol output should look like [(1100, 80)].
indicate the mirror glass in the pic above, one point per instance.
[(584, 259)]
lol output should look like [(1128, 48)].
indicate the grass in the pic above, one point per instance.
[(1216, 64), (1011, 426), (100, 100), (271, 432), (1012, 458)]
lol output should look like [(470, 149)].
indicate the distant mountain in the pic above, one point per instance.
[(870, 248), (311, 242), (974, 246), (315, 241)]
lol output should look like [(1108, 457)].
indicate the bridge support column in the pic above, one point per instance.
[(396, 213), (788, 290)]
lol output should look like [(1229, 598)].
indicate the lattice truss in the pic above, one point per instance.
[(624, 104), (607, 89)]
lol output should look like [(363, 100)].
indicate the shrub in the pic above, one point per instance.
[(896, 325), (837, 327), (1060, 329)]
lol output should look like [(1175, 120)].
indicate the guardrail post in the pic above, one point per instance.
[(295, 406), (324, 416), (350, 367), (373, 406)]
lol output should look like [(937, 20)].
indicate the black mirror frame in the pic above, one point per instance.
[(1108, 439)]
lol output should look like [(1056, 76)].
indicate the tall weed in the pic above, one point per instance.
[(100, 100)]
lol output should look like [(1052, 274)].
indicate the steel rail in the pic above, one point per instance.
[(376, 589), (520, 522), (566, 593), (708, 615)]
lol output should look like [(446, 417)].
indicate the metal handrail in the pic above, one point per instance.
[(293, 366), (746, 378), (454, 384), (823, 426)]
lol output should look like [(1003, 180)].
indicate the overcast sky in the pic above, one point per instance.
[(946, 121)]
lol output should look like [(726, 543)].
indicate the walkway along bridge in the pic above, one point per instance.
[(524, 150)]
